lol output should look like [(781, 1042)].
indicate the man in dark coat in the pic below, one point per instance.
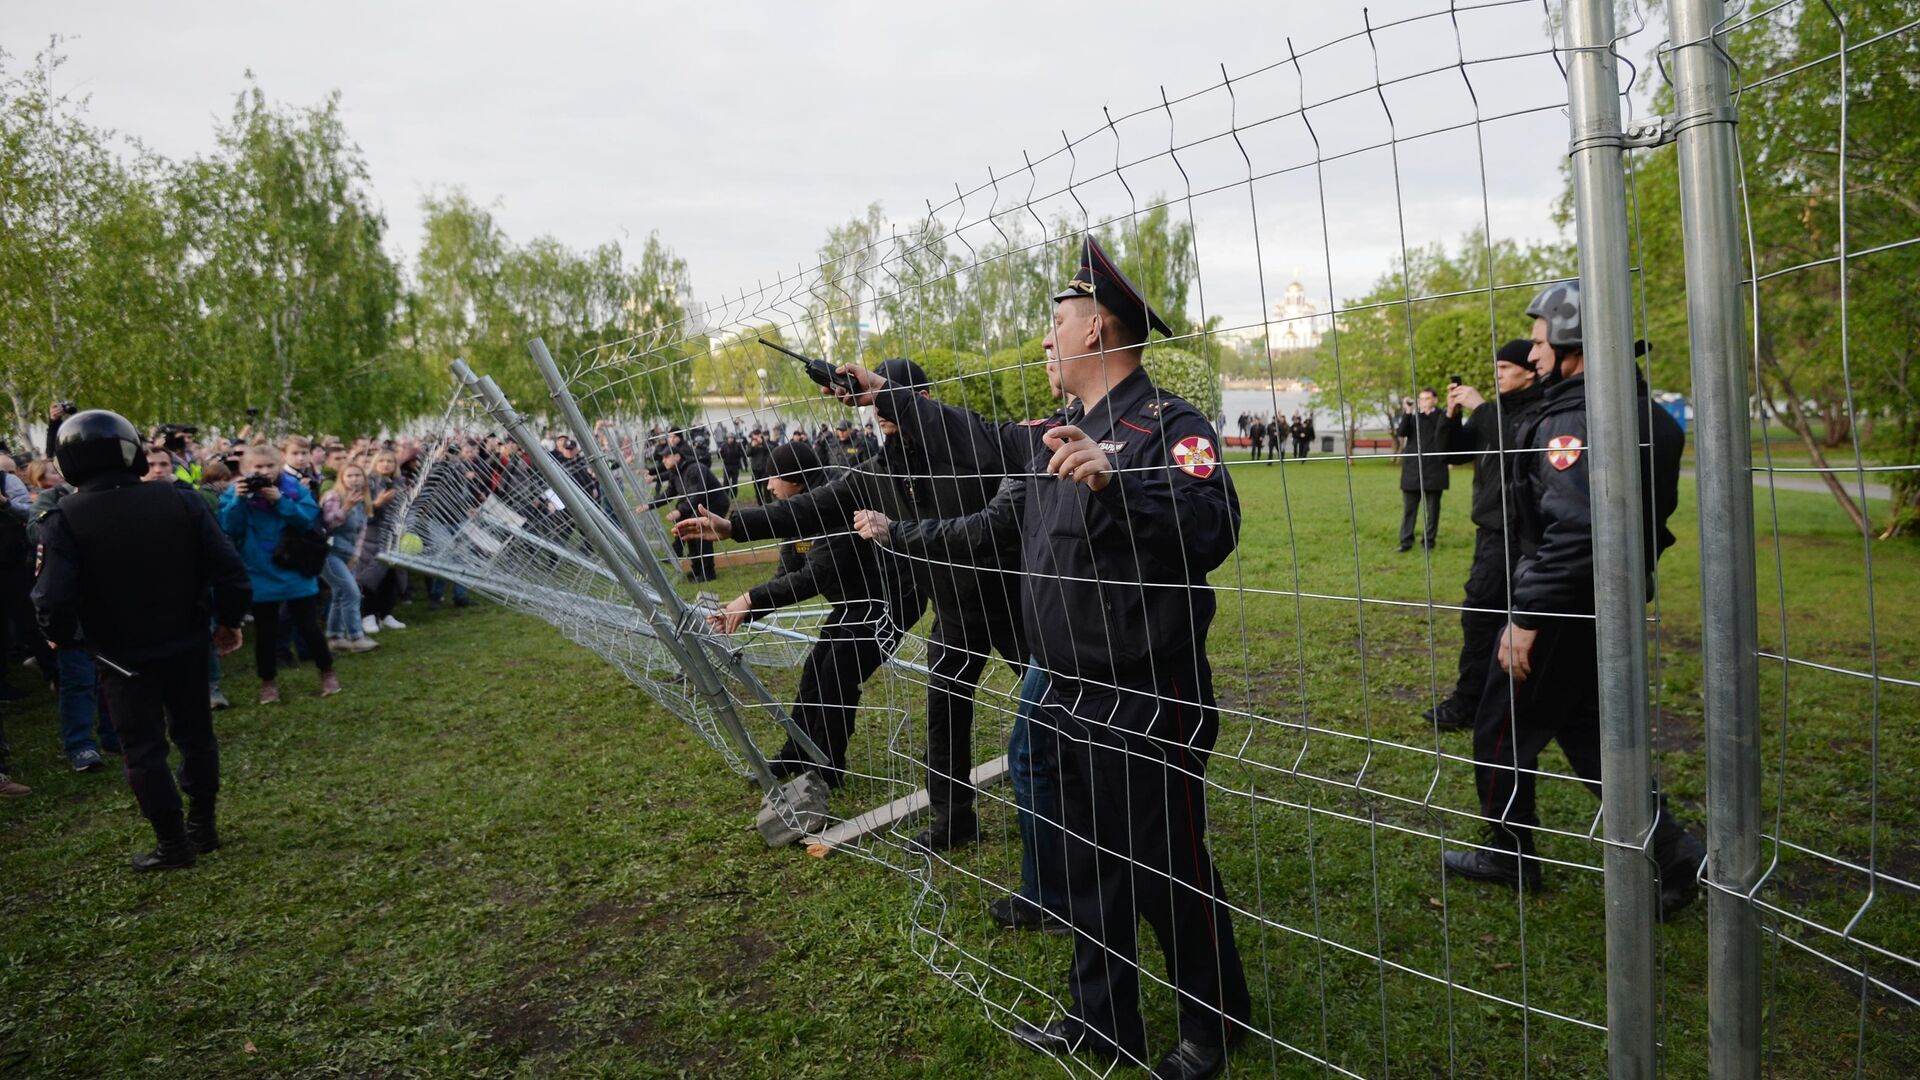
[(1544, 685), (732, 457), (1490, 431), (1423, 467), (857, 636), (760, 461), (975, 613), (695, 486)]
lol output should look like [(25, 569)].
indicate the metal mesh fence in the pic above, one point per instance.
[(1275, 733)]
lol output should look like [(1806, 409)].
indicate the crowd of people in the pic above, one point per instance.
[(1267, 435), (308, 519)]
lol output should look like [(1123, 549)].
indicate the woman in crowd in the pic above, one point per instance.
[(344, 510), (379, 585), (256, 512)]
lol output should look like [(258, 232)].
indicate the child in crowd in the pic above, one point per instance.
[(255, 511), (344, 509)]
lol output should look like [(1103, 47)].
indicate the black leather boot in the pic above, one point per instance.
[(200, 831), (174, 851)]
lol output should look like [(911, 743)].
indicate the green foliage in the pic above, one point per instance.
[(287, 265), (1820, 376), (257, 275), (1024, 390), (1385, 347), (1186, 374), (962, 378)]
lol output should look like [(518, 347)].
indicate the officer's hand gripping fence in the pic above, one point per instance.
[(1328, 800)]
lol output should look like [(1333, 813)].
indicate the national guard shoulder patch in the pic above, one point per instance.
[(1563, 451), (1194, 454)]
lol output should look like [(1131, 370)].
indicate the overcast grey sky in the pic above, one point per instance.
[(742, 131)]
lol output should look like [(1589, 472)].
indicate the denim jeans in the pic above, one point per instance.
[(1030, 763), (343, 610), (77, 709)]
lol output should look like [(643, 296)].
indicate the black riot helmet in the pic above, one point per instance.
[(96, 442)]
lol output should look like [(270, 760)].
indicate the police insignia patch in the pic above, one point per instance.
[(1195, 456), (1563, 451)]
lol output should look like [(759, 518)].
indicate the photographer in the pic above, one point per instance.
[(259, 512)]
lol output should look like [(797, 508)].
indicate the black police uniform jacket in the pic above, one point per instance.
[(905, 486), (695, 486), (1424, 460), (988, 538), (1555, 575), (1486, 432), (132, 571), (1114, 580), (760, 460), (843, 569), (843, 455)]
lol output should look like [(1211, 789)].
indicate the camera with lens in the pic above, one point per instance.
[(174, 436), (254, 483)]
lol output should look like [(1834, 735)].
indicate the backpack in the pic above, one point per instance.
[(303, 551)]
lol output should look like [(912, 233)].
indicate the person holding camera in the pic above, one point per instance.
[(271, 517), (1423, 467), (133, 573)]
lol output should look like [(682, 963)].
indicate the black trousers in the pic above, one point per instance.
[(1131, 774), (165, 698), (760, 493), (1493, 562), (957, 655), (1559, 702), (853, 644), (1409, 510), (699, 559), (305, 615)]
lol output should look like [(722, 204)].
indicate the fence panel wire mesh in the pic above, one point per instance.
[(1325, 799)]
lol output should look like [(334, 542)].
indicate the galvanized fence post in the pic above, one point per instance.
[(1723, 448), (1619, 562)]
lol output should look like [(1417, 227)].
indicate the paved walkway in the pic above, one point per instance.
[(1810, 482)]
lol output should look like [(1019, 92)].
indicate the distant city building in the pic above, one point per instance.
[(1297, 322)]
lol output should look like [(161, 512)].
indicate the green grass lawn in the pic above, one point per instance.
[(494, 857)]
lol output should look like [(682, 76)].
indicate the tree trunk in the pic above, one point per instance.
[(1795, 418)]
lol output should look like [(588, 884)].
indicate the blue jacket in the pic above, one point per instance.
[(255, 527)]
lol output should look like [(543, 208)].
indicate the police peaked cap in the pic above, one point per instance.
[(1100, 278)]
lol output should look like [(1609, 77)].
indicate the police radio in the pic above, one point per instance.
[(820, 371)]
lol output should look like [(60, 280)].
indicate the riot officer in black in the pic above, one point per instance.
[(974, 612), (760, 464), (132, 572), (859, 632), (1544, 686), (1490, 431), (692, 483)]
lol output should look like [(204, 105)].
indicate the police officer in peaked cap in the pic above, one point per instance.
[(1128, 510), (1544, 684), (133, 573)]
